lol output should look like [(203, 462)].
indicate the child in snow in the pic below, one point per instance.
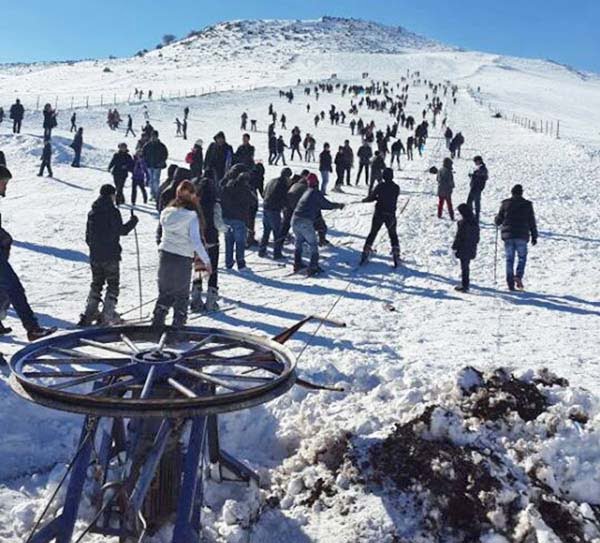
[(465, 243)]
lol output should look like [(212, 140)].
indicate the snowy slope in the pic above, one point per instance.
[(393, 363)]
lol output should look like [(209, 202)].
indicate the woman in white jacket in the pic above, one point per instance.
[(180, 239)]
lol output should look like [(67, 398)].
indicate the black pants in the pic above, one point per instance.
[(17, 126), (464, 270), (129, 129), (11, 285), (379, 219), (362, 167), (105, 273), (272, 156), (135, 184), (296, 150), (347, 172), (45, 165), (120, 185), (474, 200), (174, 278), (252, 223), (409, 153)]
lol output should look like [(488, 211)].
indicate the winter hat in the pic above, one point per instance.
[(465, 210), (122, 145), (517, 190), (107, 190), (388, 174), (5, 173), (199, 143), (312, 180), (286, 172), (448, 163), (219, 134), (477, 159)]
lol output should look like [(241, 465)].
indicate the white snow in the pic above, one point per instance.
[(391, 363)]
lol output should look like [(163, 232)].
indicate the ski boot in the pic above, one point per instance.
[(196, 304), (396, 256), (38, 332), (364, 258), (109, 316), (212, 295)]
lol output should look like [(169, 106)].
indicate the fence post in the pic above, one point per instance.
[(557, 130), (87, 102), (37, 104)]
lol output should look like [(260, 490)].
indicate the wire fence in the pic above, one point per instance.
[(550, 127)]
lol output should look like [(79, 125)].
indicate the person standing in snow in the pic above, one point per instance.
[(244, 121), (386, 197), (397, 148), (280, 150), (178, 243), (73, 122), (274, 200), (348, 160), (195, 160), (219, 156), (49, 120), (16, 113), (445, 182), (139, 178), (465, 244), (455, 145), (478, 180), (325, 167), (309, 207), (120, 166), (448, 134), (364, 154), (46, 158), (77, 146), (245, 153), (155, 154), (272, 148), (10, 285), (103, 231), (129, 126), (516, 220), (410, 142)]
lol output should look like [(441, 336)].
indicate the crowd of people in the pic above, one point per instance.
[(216, 196)]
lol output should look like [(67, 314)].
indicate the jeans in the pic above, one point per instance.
[(324, 181), (154, 181), (475, 198), (45, 165), (10, 284), (76, 159), (119, 186), (236, 235), (304, 231), (271, 223), (512, 247)]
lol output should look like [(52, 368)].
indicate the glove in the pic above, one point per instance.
[(134, 220), (534, 241)]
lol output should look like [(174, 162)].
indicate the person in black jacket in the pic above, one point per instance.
[(129, 126), (2, 159), (478, 180), (275, 199), (103, 231), (386, 197), (120, 166), (280, 149), (46, 158), (364, 153), (455, 145), (236, 200), (17, 112), (325, 167), (245, 153), (49, 120), (219, 156), (272, 148), (465, 244), (77, 146), (73, 122), (257, 186), (155, 154), (516, 219)]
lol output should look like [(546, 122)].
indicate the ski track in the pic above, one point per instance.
[(432, 333)]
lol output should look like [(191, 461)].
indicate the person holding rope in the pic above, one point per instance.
[(179, 241), (386, 197), (103, 230), (275, 199)]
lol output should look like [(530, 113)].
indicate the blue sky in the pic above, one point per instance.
[(563, 31)]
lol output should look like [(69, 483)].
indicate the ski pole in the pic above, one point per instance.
[(139, 268), (496, 257)]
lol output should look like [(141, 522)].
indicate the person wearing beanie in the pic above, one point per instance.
[(445, 181), (11, 289), (120, 166), (103, 230), (309, 207), (465, 244), (385, 195), (516, 220), (478, 180), (274, 200), (179, 241)]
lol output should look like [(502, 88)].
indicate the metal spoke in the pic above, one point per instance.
[(134, 348), (181, 388), (117, 385), (240, 377), (204, 341), (87, 360), (94, 377), (148, 383), (162, 342), (104, 346), (72, 352), (204, 377)]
